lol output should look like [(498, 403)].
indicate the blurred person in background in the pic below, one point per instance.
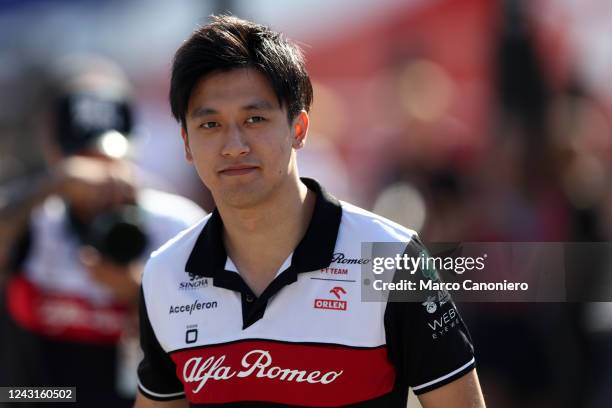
[(73, 240), (539, 183), (542, 176)]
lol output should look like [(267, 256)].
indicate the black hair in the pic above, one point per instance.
[(227, 43)]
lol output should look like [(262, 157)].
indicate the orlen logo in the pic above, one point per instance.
[(338, 291), (332, 304)]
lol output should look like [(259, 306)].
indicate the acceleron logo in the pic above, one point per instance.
[(332, 304)]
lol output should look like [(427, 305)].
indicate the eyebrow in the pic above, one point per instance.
[(257, 105)]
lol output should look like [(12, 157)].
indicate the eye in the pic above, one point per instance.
[(256, 119), (209, 125)]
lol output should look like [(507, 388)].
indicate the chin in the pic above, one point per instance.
[(244, 197), (243, 202)]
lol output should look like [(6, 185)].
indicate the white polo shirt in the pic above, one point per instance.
[(308, 340)]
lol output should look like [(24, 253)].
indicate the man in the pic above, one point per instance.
[(276, 319), (74, 240)]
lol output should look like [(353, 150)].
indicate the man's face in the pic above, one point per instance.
[(239, 139)]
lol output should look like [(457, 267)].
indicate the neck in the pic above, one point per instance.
[(272, 229), (284, 211)]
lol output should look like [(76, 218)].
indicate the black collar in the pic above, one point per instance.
[(315, 250)]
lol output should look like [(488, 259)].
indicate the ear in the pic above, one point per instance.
[(185, 138), (300, 130)]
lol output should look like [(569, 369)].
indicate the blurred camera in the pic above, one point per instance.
[(118, 235)]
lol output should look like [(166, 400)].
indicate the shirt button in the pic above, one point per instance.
[(249, 298)]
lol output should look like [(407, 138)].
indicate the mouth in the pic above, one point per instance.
[(237, 170)]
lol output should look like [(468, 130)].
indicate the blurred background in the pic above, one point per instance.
[(466, 120)]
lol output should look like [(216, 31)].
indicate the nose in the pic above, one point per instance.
[(235, 143)]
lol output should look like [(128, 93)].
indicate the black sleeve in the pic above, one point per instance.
[(427, 341), (156, 372)]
